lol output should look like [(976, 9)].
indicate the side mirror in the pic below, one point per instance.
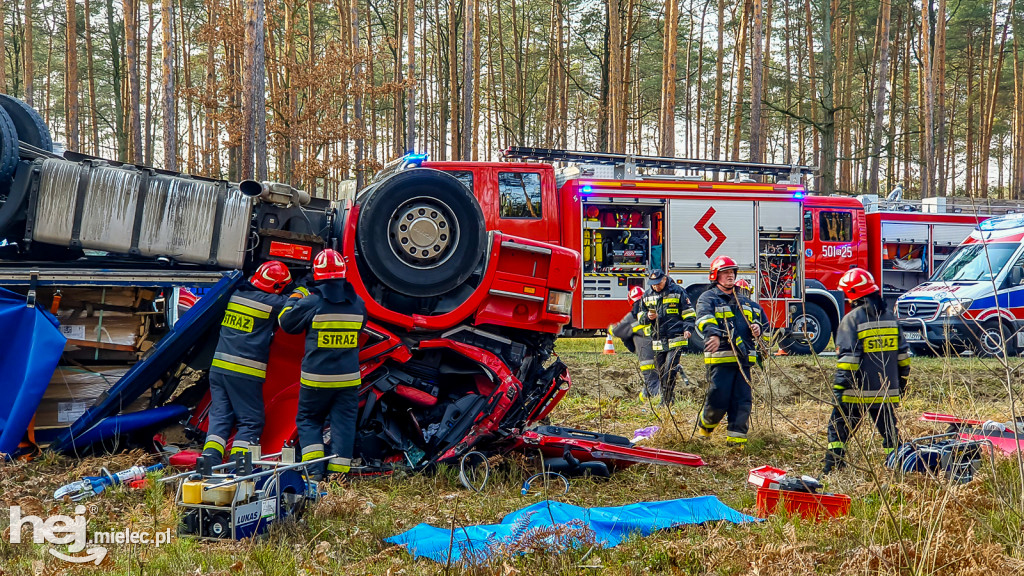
[(1016, 275)]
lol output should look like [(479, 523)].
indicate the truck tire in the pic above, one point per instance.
[(814, 320), (421, 232), (8, 149), (27, 122)]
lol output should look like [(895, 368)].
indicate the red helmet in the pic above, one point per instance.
[(328, 264), (742, 283), (636, 293), (720, 264), (857, 283), (272, 276)]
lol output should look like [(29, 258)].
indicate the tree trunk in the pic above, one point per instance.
[(3, 49), (170, 134), (828, 124), (928, 102), (410, 94), (94, 126), (667, 126), (880, 93), (254, 105), (357, 109), (741, 62), (939, 91), (468, 80), (131, 23), (147, 127), (71, 85), (27, 57), (756, 87), (819, 184), (616, 101), (716, 141)]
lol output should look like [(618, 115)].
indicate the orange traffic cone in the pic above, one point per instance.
[(609, 346)]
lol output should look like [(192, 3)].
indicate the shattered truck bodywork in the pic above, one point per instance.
[(457, 354)]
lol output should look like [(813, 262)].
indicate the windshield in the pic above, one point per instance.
[(971, 262)]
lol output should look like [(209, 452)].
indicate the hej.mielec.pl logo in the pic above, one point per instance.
[(61, 530)]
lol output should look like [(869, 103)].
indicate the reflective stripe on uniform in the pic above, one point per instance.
[(341, 465), (719, 357), (342, 321), (677, 342), (638, 328), (853, 399), (238, 368), (688, 313), (329, 380), (239, 447), (837, 445), (705, 424), (241, 361), (736, 439), (705, 320), (312, 452), (215, 442), (248, 306), (849, 362), (903, 360), (647, 365), (723, 312)]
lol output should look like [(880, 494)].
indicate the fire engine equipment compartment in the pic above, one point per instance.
[(622, 240)]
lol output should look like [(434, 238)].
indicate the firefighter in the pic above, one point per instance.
[(240, 360), (629, 328), (730, 325), (332, 315), (874, 363), (667, 312)]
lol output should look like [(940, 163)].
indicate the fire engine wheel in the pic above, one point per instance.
[(996, 342), (421, 232), (27, 122), (8, 148), (817, 328)]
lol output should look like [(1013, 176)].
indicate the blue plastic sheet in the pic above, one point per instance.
[(608, 526), (30, 352)]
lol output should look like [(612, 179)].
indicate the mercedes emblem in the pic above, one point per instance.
[(912, 310)]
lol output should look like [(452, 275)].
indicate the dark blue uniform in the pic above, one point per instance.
[(667, 333), (332, 315), (240, 367)]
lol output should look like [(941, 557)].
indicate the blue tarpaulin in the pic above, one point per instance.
[(31, 349), (609, 526)]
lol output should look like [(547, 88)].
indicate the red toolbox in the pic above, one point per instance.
[(809, 506)]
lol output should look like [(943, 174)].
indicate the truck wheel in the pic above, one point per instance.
[(27, 122), (815, 322), (8, 148), (421, 232), (996, 343)]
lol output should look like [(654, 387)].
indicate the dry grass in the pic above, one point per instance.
[(900, 526)]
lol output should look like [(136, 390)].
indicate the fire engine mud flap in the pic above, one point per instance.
[(33, 345), (616, 451), (171, 350)]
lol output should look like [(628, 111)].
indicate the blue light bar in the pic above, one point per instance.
[(416, 159), (587, 189)]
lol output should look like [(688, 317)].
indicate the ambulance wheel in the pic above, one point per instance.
[(28, 123), (813, 321), (421, 232), (996, 340)]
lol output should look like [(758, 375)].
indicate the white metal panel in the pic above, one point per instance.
[(950, 234), (779, 216), (904, 233), (700, 230)]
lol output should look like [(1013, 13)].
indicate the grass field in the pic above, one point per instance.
[(914, 525)]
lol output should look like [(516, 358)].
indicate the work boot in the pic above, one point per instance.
[(834, 461)]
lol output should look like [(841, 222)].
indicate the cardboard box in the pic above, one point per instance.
[(74, 390)]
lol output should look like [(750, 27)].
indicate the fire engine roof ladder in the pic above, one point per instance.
[(627, 164)]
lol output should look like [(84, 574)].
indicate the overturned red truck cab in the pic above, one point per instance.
[(457, 354)]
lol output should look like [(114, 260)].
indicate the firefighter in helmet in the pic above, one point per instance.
[(874, 363), (668, 315), (730, 324), (332, 315), (240, 360), (629, 329)]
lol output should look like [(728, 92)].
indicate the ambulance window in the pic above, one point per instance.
[(835, 226), (464, 176), (520, 194), (808, 226)]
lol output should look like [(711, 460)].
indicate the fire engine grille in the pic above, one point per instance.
[(920, 310)]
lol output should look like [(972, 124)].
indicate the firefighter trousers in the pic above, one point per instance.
[(317, 407), (728, 395), (234, 401), (660, 376), (846, 416)]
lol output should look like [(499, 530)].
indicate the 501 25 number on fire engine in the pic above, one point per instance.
[(843, 251)]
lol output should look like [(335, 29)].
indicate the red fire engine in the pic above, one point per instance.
[(624, 223)]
